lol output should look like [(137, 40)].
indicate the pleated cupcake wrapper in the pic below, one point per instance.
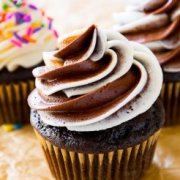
[(170, 95), (122, 164), (13, 102)]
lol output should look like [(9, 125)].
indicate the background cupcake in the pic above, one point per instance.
[(95, 108), (25, 32), (156, 24)]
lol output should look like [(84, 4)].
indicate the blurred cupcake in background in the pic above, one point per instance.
[(95, 109), (25, 32), (157, 25)]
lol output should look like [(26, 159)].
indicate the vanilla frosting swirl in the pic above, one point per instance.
[(156, 24), (25, 32), (96, 80)]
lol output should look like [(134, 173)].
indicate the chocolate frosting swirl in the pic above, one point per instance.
[(95, 74), (157, 26)]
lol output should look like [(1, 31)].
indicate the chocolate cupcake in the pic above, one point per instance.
[(25, 32), (95, 109), (156, 24)]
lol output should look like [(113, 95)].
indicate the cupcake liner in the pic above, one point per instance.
[(122, 164), (170, 95), (13, 102)]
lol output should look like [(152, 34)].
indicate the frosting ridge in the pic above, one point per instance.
[(93, 83), (155, 24)]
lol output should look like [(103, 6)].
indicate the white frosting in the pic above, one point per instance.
[(86, 124), (140, 23), (140, 104), (123, 18), (29, 55), (134, 19), (137, 5), (148, 87)]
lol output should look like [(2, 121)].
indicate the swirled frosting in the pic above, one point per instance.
[(157, 25), (96, 80), (25, 32)]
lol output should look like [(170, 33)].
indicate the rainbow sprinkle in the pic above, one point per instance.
[(20, 38), (5, 6), (32, 7), (37, 29), (55, 33), (9, 16), (50, 25), (27, 18), (22, 17), (29, 39), (29, 31), (18, 44), (11, 127)]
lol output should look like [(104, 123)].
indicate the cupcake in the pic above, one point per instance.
[(25, 32), (95, 109), (156, 24)]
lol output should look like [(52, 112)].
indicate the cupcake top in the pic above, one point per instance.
[(96, 80), (25, 32), (156, 24)]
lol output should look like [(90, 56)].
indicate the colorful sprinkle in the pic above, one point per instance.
[(16, 43), (55, 33), (27, 18), (20, 38), (9, 15), (11, 9), (8, 127), (36, 24), (11, 127), (37, 29), (17, 3), (29, 31), (5, 6), (50, 25), (50, 19), (32, 7), (18, 126), (2, 17), (29, 39), (9, 25), (19, 17), (8, 35)]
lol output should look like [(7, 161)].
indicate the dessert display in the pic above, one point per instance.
[(25, 31), (95, 108), (156, 24)]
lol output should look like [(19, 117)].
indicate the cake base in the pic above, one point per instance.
[(124, 164), (125, 135), (14, 89)]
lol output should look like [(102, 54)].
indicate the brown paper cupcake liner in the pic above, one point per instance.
[(170, 95), (122, 164), (13, 102)]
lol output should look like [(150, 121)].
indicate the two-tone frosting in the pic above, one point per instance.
[(25, 32), (96, 80), (157, 25)]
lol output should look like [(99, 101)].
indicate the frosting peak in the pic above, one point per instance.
[(25, 31), (100, 75), (156, 24)]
